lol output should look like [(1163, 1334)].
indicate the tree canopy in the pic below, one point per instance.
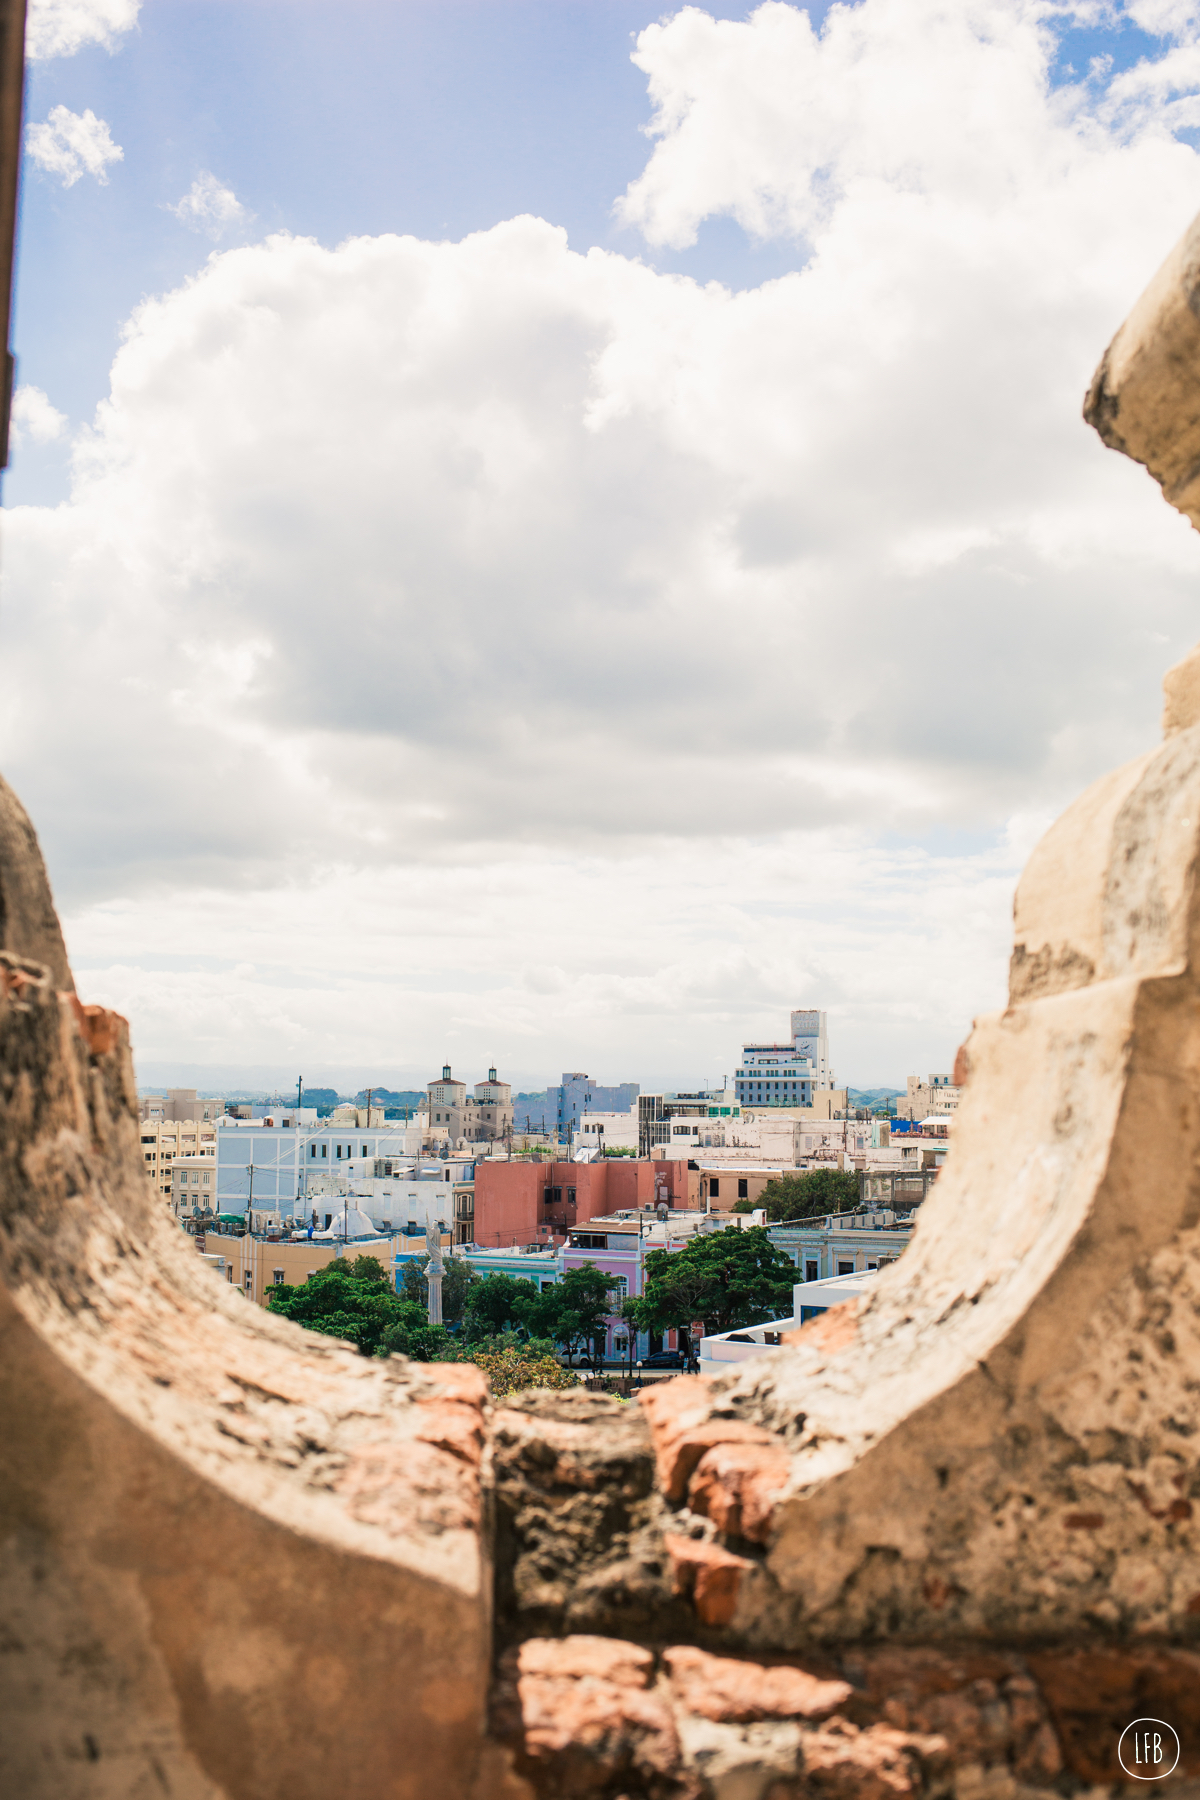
[(727, 1278), (496, 1302), (356, 1301), (806, 1196), (574, 1312), (458, 1279)]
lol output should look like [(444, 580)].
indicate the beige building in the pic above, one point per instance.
[(191, 1181), (178, 1105), (936, 1094), (165, 1139), (455, 1117), (252, 1265)]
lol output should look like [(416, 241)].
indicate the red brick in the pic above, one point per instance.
[(577, 1657), (727, 1689), (707, 1575), (736, 1485)]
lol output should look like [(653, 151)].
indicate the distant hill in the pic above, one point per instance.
[(407, 1099), (871, 1097)]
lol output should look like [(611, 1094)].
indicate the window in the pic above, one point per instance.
[(312, 1149), (339, 1151), (714, 1188), (743, 1188), (207, 1180), (812, 1271), (278, 1277), (364, 1149), (570, 1196), (845, 1268), (324, 1149)]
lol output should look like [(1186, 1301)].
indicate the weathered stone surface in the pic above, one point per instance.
[(997, 1439), (963, 1723), (578, 1541), (1145, 399), (29, 925), (236, 1559)]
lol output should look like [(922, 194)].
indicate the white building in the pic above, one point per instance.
[(270, 1163), (788, 1074)]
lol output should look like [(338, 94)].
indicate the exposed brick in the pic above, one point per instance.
[(581, 1720), (727, 1688), (833, 1330), (100, 1029), (843, 1762), (737, 1485), (574, 1658), (707, 1575)]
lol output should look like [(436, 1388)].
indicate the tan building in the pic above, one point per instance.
[(192, 1182), (458, 1118), (936, 1094), (165, 1139), (252, 1265), (180, 1104), (722, 1187)]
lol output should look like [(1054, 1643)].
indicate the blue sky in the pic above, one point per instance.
[(472, 646), (435, 117)]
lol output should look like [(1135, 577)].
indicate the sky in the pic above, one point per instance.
[(550, 533)]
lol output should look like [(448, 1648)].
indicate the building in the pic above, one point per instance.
[(395, 1195), (850, 1243), (723, 1185), (165, 1139), (789, 1074), (665, 1118), (936, 1094), (179, 1105), (542, 1267), (540, 1203), (576, 1094), (269, 1160), (810, 1039), (193, 1183), (256, 1262), (460, 1119)]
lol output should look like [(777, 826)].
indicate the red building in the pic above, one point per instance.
[(539, 1203)]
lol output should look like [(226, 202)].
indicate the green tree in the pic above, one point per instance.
[(458, 1279), (350, 1300), (806, 1196), (494, 1302), (574, 1311), (727, 1278), (411, 1334)]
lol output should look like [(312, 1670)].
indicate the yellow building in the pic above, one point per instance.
[(252, 1265)]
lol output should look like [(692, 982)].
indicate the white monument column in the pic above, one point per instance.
[(433, 1275)]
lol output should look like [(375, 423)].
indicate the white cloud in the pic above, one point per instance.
[(209, 207), (34, 417), (61, 27), (73, 144), (490, 608)]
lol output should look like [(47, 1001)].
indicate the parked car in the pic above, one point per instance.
[(665, 1359)]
